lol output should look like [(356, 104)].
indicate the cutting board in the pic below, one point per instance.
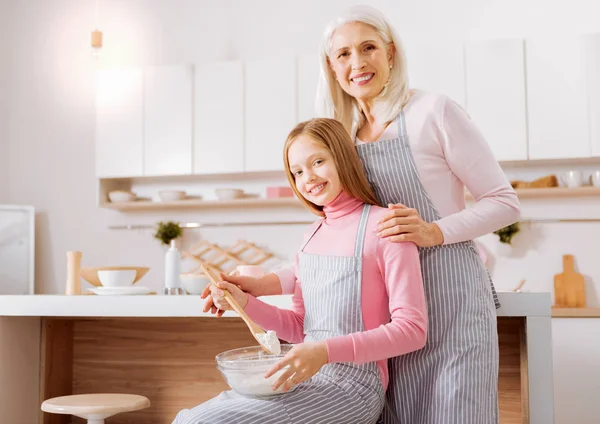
[(569, 286)]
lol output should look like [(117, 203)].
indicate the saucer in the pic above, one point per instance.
[(119, 291)]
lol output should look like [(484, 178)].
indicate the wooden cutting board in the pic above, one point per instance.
[(569, 286)]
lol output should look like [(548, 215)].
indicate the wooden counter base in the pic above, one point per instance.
[(171, 361)]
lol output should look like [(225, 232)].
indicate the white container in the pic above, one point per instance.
[(117, 278), (171, 195), (194, 283), (120, 196), (172, 265)]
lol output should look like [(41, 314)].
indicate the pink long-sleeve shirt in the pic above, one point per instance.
[(450, 154), (392, 297)]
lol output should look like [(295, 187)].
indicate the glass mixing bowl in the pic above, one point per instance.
[(244, 370)]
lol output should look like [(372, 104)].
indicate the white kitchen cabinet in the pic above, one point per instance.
[(270, 111), (219, 118), (438, 68), (557, 111), (168, 120), (495, 86), (308, 81), (592, 76), (119, 123)]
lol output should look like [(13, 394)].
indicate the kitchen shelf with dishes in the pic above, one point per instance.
[(258, 202)]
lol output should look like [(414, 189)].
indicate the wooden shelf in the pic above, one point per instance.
[(538, 193), (199, 204), (575, 312), (293, 202)]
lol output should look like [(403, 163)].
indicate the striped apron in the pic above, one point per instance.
[(340, 393), (454, 378)]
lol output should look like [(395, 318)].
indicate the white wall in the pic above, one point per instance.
[(4, 100), (52, 113)]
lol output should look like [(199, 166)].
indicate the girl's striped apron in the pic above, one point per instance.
[(340, 393), (454, 378)]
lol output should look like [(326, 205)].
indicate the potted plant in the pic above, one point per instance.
[(507, 233), (168, 231)]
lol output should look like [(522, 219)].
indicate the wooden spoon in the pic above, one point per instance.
[(254, 327)]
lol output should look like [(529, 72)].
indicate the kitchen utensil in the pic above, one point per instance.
[(254, 328), (569, 286), (171, 195), (91, 274), (116, 278), (244, 370), (228, 193), (73, 273)]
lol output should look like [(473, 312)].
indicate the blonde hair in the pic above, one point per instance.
[(332, 135), (333, 102)]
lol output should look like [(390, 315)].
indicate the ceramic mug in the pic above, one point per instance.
[(572, 179), (255, 271), (595, 178)]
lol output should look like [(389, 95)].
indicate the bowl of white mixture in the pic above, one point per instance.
[(244, 370)]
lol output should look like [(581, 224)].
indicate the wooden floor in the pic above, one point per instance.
[(171, 361)]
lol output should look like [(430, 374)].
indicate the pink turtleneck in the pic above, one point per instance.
[(392, 299)]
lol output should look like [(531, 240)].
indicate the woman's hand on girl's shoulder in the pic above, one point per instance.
[(402, 224), (302, 362)]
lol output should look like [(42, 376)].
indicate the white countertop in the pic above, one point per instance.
[(513, 304)]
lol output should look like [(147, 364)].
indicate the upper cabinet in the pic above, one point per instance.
[(271, 111), (438, 68), (592, 71), (556, 95), (308, 81), (168, 120), (219, 118), (495, 86), (119, 123)]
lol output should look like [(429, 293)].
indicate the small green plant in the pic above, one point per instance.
[(167, 231), (507, 233)]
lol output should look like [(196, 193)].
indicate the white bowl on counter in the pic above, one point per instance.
[(117, 278), (194, 283), (121, 196), (229, 193), (171, 195)]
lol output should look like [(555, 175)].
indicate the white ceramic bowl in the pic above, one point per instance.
[(228, 193), (194, 283), (244, 370), (120, 196), (171, 195), (114, 278)]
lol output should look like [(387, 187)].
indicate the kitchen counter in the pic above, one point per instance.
[(163, 347), (513, 305)]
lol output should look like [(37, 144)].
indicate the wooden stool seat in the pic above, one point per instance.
[(95, 407)]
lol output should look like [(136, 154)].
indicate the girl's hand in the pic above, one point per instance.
[(304, 361), (217, 296), (405, 224)]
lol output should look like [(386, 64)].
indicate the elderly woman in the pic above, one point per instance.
[(419, 152)]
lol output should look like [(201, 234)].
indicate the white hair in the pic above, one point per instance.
[(333, 102)]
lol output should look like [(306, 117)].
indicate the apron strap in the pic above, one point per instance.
[(312, 235), (362, 229), (401, 122)]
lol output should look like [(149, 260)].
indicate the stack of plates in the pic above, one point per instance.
[(119, 291)]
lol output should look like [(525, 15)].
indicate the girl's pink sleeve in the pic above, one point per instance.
[(288, 324), (470, 158), (287, 279), (401, 271)]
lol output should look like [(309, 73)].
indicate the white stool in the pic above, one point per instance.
[(95, 407)]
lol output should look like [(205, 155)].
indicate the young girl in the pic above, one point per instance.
[(358, 298)]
